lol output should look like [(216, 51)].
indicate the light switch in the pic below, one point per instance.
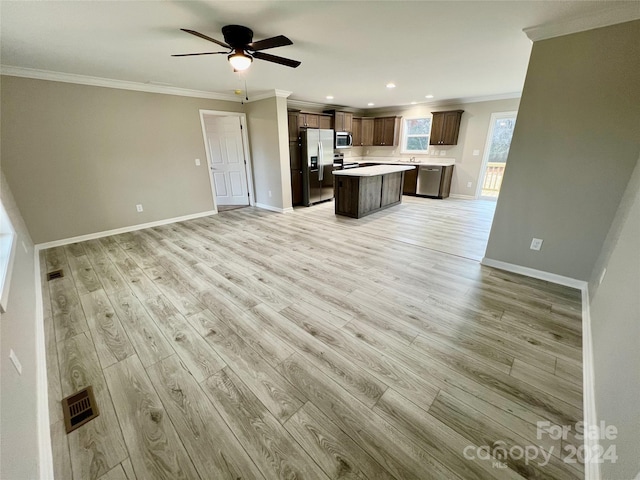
[(197, 162), (476, 153)]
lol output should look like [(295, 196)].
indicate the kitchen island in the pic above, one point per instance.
[(365, 190), (431, 178)]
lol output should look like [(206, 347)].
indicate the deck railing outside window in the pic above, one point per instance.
[(493, 179)]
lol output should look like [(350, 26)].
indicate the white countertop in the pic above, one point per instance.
[(373, 171), (432, 162)]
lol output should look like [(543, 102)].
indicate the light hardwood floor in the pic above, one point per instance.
[(257, 345)]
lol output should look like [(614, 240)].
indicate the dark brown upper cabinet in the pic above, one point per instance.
[(386, 131), (357, 131), (367, 132), (325, 121), (310, 120), (342, 121), (445, 127)]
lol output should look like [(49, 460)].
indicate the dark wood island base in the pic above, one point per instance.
[(362, 191)]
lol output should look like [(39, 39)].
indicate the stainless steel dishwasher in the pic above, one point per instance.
[(429, 178)]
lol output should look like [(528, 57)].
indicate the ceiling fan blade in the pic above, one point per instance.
[(192, 54), (202, 35), (273, 42), (273, 58)]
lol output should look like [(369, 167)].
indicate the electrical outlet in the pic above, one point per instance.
[(604, 272), (197, 162), (536, 244), (476, 153), (15, 361), (443, 153), (469, 184), (269, 193), (139, 207)]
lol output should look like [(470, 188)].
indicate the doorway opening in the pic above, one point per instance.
[(496, 152), (228, 161)]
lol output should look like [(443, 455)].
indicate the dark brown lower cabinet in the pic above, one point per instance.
[(410, 182), (359, 196), (296, 187)]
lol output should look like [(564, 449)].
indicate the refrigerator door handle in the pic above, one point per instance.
[(320, 162)]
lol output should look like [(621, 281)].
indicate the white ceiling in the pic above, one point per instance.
[(453, 50)]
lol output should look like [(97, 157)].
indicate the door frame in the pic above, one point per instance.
[(487, 145), (245, 151)]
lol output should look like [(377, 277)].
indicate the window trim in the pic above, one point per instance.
[(405, 136), (8, 242)]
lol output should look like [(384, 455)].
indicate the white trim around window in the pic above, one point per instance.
[(8, 241), (405, 135)]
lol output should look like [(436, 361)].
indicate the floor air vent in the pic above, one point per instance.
[(79, 408), (55, 274)]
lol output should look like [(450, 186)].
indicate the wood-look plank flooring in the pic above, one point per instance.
[(255, 345)]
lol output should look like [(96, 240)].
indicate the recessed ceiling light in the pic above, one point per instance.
[(413, 103), (329, 97), (391, 85), (371, 104), (428, 96)]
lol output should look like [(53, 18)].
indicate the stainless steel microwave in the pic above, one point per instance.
[(343, 140)]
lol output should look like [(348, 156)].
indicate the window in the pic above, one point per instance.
[(7, 251), (415, 137)]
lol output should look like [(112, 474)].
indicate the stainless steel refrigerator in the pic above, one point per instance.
[(317, 165)]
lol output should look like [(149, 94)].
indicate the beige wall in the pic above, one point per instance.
[(18, 410), (615, 320), (79, 158), (267, 127), (474, 127), (574, 147)]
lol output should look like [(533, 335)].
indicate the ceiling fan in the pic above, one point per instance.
[(242, 48)]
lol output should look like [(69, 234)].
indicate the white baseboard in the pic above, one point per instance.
[(274, 209), (592, 468), (532, 272), (116, 231), (464, 197), (45, 455)]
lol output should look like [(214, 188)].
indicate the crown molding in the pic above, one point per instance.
[(479, 99), (304, 104), (450, 102), (282, 93), (270, 94), (111, 83), (301, 104), (624, 12)]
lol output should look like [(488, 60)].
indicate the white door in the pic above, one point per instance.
[(495, 153), (226, 153)]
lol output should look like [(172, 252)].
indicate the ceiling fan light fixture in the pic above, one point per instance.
[(239, 60)]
